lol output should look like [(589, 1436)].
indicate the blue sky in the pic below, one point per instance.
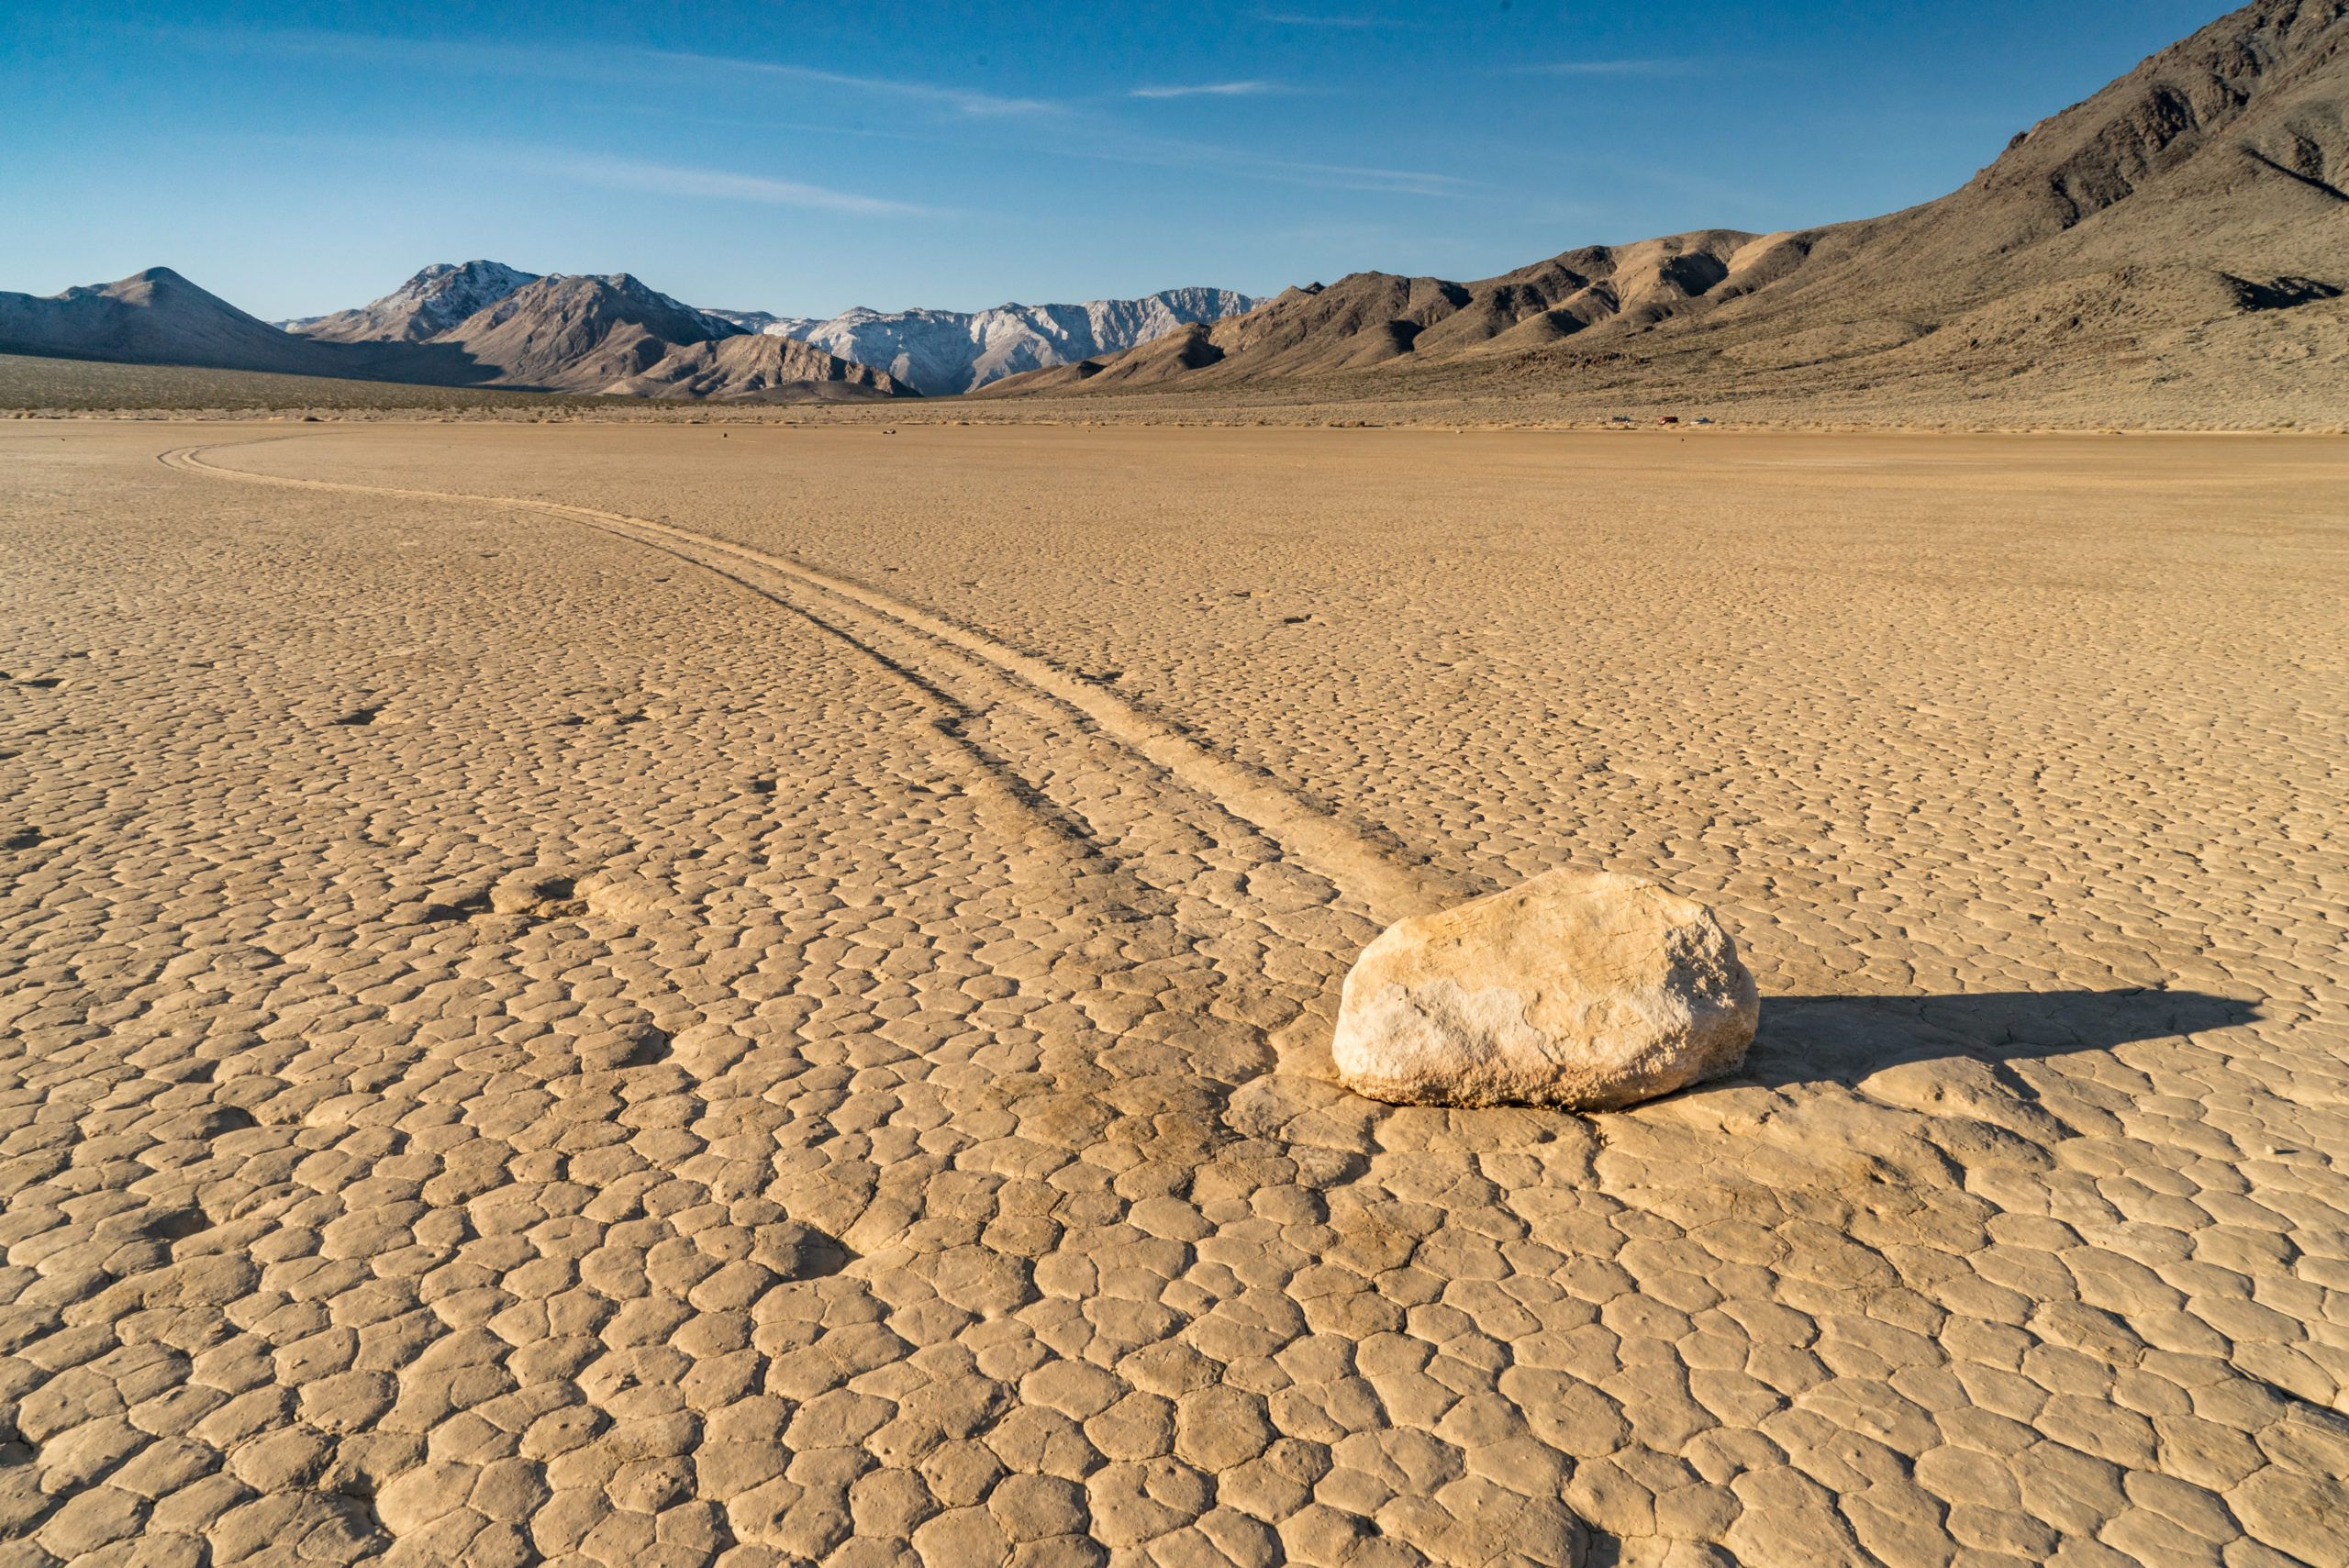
[(803, 157)]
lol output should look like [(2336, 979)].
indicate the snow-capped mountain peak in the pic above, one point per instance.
[(945, 351), (767, 321), (450, 293), (425, 307)]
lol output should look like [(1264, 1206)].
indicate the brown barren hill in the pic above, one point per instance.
[(2144, 235)]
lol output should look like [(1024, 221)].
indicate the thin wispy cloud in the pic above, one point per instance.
[(503, 59), (663, 179), (1073, 130), (1205, 89), (1607, 68), (1170, 153), (1339, 176), (986, 104), (440, 57)]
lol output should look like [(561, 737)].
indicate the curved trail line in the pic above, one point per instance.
[(1323, 844)]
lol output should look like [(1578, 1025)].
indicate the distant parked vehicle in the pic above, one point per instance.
[(1669, 419)]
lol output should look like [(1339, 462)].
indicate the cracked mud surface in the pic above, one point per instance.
[(800, 1037)]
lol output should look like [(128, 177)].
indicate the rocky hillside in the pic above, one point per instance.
[(580, 334), (2122, 240)]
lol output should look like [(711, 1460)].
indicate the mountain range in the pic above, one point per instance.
[(2128, 239), (485, 323), (2177, 239), (936, 352)]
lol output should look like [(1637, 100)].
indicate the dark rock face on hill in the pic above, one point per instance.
[(2207, 186), (759, 367)]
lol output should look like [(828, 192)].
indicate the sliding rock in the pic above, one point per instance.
[(1588, 990)]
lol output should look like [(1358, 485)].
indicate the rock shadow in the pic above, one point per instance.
[(1808, 1039)]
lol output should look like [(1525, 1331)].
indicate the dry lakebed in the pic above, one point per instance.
[(761, 994)]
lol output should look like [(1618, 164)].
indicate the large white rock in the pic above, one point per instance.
[(1588, 990)]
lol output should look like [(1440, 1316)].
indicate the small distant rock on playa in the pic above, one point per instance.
[(1586, 990)]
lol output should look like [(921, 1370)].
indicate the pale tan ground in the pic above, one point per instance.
[(528, 1041)]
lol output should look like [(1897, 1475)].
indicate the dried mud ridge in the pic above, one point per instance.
[(894, 1164)]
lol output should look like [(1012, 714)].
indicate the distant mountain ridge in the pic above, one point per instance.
[(612, 336), (767, 321), (937, 353)]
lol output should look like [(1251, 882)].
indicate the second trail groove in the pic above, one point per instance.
[(981, 674)]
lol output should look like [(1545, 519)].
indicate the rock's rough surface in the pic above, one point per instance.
[(1591, 990)]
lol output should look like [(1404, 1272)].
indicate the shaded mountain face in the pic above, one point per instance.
[(161, 318), (425, 307), (944, 352), (2209, 183)]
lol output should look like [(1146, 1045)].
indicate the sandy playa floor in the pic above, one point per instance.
[(732, 1008)]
